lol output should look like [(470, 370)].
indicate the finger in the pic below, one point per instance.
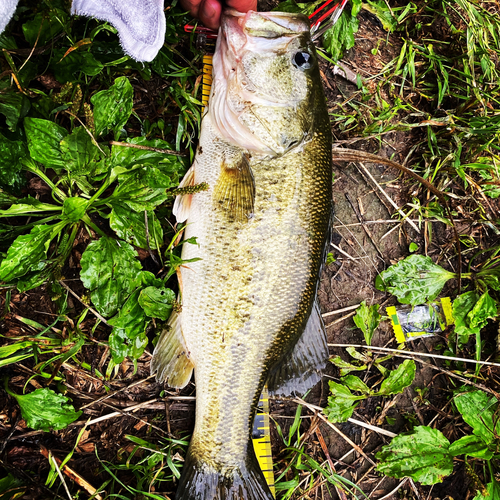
[(209, 13), (242, 5)]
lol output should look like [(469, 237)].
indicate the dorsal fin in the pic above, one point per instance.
[(234, 191), (301, 368), (171, 361)]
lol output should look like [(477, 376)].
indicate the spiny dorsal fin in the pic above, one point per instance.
[(171, 361), (234, 192), (182, 202), (302, 367)]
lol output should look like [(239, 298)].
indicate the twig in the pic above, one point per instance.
[(59, 473), (395, 490), (83, 303), (340, 320), (341, 251), (372, 427), (338, 311), (406, 354), (338, 431), (147, 148)]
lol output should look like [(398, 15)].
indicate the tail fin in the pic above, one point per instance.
[(200, 481)]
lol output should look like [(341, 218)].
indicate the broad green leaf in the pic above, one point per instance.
[(413, 247), (127, 157), (112, 107), (341, 36), (11, 488), (110, 271), (29, 207), (79, 152), (492, 492), (367, 320), (27, 251), (422, 455), (44, 142), (128, 338), (146, 278), (13, 105), (130, 226), (398, 379), (346, 367), (142, 188), (461, 308), (382, 12), (43, 27), (414, 280), (157, 302), (356, 384), (472, 446), (485, 308), (478, 410), (341, 403), (74, 208), (12, 178), (39, 274), (45, 410), (66, 67)]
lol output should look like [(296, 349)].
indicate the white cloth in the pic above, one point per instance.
[(140, 23), (7, 9)]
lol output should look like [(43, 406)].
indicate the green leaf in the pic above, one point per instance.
[(382, 12), (346, 367), (398, 379), (44, 142), (461, 308), (74, 208), (478, 410), (341, 36), (113, 107), (110, 271), (66, 67), (43, 27), (157, 302), (142, 188), (128, 337), (28, 207), (45, 410), (129, 226), (13, 105), (27, 250), (367, 320), (413, 247), (415, 280), (472, 446), (79, 152), (356, 384), (485, 308), (341, 403), (12, 178), (492, 492), (422, 455)]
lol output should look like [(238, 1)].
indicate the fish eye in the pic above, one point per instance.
[(302, 60)]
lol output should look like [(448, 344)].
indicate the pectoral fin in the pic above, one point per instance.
[(234, 192), (171, 361), (301, 369), (182, 203)]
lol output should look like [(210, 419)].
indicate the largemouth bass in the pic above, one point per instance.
[(249, 311)]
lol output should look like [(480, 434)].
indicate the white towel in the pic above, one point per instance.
[(140, 23), (7, 9)]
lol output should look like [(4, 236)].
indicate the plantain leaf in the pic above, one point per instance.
[(11, 176), (367, 320), (110, 271), (79, 152), (422, 455), (113, 107), (398, 379), (74, 208), (341, 403), (472, 446), (414, 280), (157, 302)]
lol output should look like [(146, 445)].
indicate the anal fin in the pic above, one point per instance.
[(171, 361), (301, 368)]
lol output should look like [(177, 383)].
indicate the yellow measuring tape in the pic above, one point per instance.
[(261, 435)]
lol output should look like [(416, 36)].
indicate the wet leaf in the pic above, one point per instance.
[(79, 152), (341, 36), (28, 207), (112, 107), (461, 308), (485, 308), (398, 379), (44, 142), (157, 302), (472, 446), (13, 105), (42, 28), (492, 490), (346, 367), (367, 319), (414, 280), (478, 410), (128, 338), (67, 67), (110, 271), (45, 410), (341, 403), (356, 384), (422, 455), (130, 226), (12, 178), (27, 251), (74, 208)]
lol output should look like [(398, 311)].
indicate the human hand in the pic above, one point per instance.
[(209, 11)]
